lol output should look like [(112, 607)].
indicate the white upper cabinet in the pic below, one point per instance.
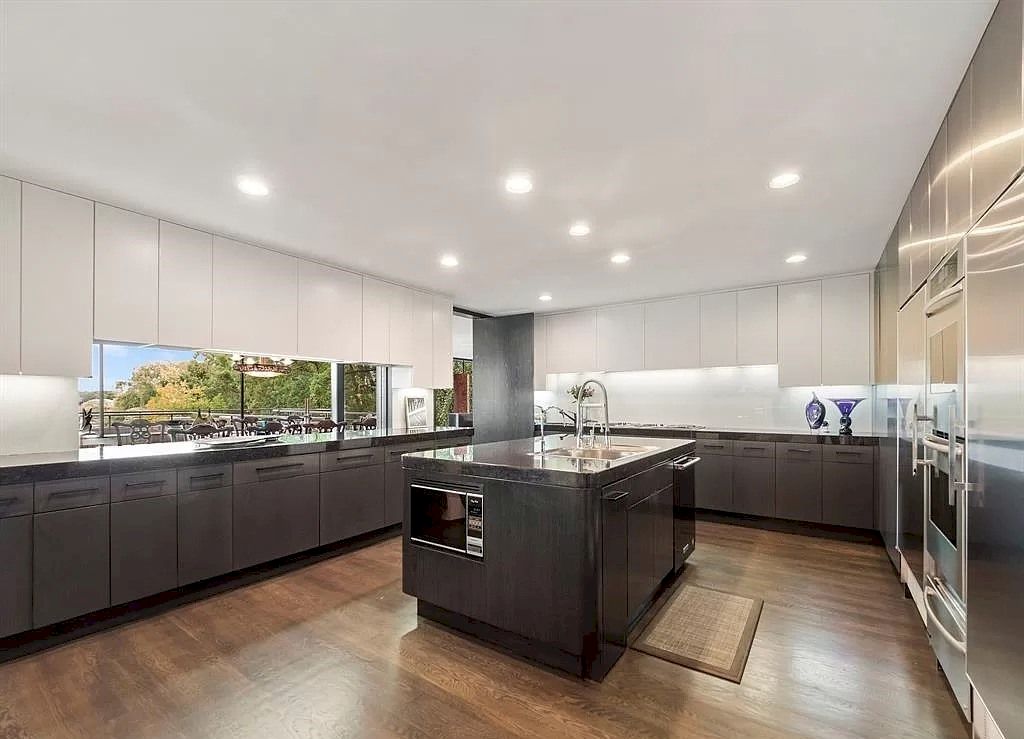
[(672, 333), (255, 299), (186, 287), (846, 330), (10, 276), (800, 334), (400, 326), (540, 352), (127, 282), (56, 283), (330, 313), (620, 338), (572, 342), (444, 378), (376, 319), (422, 339), (757, 326), (718, 330)]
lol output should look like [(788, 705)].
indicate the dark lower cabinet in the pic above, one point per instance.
[(274, 519), (798, 482), (204, 534), (753, 486), (713, 482), (352, 502), (664, 535), (15, 574), (394, 493), (70, 563), (143, 548), (650, 549), (848, 494)]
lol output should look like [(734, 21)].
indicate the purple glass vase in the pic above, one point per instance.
[(845, 406)]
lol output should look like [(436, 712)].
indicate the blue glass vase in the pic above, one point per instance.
[(845, 406), (814, 412)]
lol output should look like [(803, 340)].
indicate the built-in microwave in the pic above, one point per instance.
[(447, 517)]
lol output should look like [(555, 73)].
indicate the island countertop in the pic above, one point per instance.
[(519, 460)]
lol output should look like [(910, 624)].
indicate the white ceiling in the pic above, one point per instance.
[(386, 129)]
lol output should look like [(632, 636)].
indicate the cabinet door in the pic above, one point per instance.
[(664, 536), (848, 494), (996, 106), (757, 326), (376, 320), (713, 483), (274, 519), (394, 493), (620, 338), (143, 548), (800, 334), (906, 287), (330, 313), (540, 352), (920, 228), (718, 330), (798, 482), (444, 373), (400, 326), (70, 563), (204, 534), (639, 555), (672, 333), (255, 299), (937, 198), (423, 340), (15, 574), (127, 282), (186, 287), (351, 502), (846, 330), (56, 283), (10, 276), (958, 166), (572, 342), (753, 485)]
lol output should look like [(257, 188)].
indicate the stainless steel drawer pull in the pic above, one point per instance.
[(279, 467), (799, 451), (8, 499), (215, 476), (354, 456), (714, 446), (754, 448), (67, 493), (847, 454), (685, 463), (612, 497), (146, 484)]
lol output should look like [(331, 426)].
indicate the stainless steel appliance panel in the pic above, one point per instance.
[(684, 508), (995, 459), (911, 349)]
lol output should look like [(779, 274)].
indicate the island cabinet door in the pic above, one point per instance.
[(640, 555), (70, 563), (664, 536), (143, 548), (798, 482), (351, 502), (275, 518)]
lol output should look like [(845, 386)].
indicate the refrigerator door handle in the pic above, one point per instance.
[(915, 461), (931, 591)]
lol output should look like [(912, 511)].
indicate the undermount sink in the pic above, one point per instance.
[(612, 452)]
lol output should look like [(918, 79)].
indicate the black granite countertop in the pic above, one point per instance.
[(518, 460), (680, 432), (108, 460)]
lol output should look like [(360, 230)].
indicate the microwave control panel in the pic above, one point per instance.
[(475, 524)]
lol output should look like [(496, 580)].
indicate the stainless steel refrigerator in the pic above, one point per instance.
[(994, 474), (912, 345)]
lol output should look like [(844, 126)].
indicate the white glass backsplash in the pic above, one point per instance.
[(719, 397), (38, 414)]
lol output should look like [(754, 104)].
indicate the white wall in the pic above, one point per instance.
[(38, 414), (719, 397), (401, 377)]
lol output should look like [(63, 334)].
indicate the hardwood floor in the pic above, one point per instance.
[(335, 650)]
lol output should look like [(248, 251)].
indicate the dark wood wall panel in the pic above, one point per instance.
[(503, 378)]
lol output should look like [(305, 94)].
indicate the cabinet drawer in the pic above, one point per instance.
[(394, 453), (452, 442), (760, 449), (207, 477), (276, 468), (346, 459), (76, 493), (15, 500), (138, 485), (854, 454), (714, 446), (798, 451)]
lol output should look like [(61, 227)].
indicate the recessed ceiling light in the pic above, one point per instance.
[(253, 186), (620, 258), (579, 229), (518, 183), (796, 259), (786, 179), (545, 297), (449, 260)]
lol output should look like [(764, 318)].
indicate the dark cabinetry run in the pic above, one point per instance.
[(71, 563), (798, 482), (848, 485), (714, 475), (351, 502), (394, 477), (143, 548), (15, 559), (204, 522), (649, 548), (753, 478)]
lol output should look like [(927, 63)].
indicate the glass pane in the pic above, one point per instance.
[(458, 400), (361, 396)]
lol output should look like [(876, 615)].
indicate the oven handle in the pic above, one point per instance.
[(679, 465), (951, 451), (958, 644), (914, 461)]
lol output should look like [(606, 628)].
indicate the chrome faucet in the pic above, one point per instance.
[(580, 406)]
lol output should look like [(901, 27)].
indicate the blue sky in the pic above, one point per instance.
[(119, 361)]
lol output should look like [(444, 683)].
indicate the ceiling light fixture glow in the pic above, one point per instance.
[(545, 297), (579, 229), (620, 258), (786, 179), (796, 259), (518, 183), (252, 186), (449, 260)]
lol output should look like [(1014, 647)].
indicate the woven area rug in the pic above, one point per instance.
[(704, 629)]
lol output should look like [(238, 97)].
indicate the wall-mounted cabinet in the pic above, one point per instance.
[(917, 249), (10, 276), (56, 283), (422, 339), (937, 198), (906, 288), (620, 338), (800, 333), (672, 333), (376, 320), (846, 330), (127, 276), (757, 326), (444, 371), (186, 287), (572, 342), (958, 164), (330, 313), (400, 326), (718, 330)]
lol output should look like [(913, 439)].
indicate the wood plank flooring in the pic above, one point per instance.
[(335, 650)]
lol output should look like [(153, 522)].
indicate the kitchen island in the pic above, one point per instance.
[(547, 550)]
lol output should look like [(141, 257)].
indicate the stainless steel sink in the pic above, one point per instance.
[(612, 452)]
